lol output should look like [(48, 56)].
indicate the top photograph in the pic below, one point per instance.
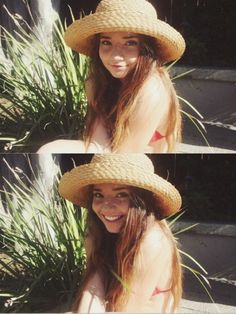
[(120, 76)]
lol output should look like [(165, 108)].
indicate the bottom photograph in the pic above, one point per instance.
[(134, 233)]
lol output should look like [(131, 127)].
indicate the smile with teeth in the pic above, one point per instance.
[(112, 218)]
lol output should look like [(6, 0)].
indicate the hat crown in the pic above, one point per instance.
[(128, 7), (139, 161)]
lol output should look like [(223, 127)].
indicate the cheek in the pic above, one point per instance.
[(100, 52), (125, 206), (132, 58), (133, 52), (95, 207), (103, 55)]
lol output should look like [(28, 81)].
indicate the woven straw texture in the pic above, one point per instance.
[(136, 16), (128, 169)]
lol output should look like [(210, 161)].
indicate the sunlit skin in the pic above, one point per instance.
[(111, 204), (119, 52)]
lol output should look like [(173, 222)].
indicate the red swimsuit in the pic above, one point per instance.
[(156, 137)]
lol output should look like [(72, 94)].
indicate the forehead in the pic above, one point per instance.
[(119, 35), (110, 186)]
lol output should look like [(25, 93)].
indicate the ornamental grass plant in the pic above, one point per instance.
[(43, 82), (41, 246)]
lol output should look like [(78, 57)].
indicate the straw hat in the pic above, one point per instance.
[(129, 169), (136, 16)]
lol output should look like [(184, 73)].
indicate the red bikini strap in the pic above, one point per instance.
[(157, 291)]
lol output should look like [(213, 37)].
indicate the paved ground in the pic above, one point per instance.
[(202, 307), (191, 148), (220, 138)]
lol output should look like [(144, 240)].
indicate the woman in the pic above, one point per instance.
[(133, 106), (133, 264)]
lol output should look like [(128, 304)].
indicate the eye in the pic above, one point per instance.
[(97, 195), (105, 42), (131, 43), (122, 195)]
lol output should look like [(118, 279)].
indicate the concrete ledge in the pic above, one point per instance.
[(197, 73), (206, 228), (200, 149), (202, 307)]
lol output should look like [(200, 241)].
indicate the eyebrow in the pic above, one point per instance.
[(115, 189), (126, 37)]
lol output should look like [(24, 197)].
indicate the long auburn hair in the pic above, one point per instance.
[(113, 256), (114, 102)]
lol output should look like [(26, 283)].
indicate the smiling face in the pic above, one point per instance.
[(111, 203), (119, 52)]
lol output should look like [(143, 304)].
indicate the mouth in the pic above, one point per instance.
[(113, 218), (117, 66)]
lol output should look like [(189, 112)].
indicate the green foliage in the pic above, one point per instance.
[(42, 247), (44, 83)]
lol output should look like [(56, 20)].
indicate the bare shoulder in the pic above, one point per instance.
[(154, 82), (60, 146), (155, 256), (156, 242), (155, 91)]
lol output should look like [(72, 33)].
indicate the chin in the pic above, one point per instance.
[(119, 76), (114, 227), (113, 230)]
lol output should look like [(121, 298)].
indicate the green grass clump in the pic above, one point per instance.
[(43, 81)]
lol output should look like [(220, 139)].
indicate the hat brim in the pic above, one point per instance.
[(80, 33), (74, 185)]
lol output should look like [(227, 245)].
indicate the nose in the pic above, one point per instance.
[(117, 53), (108, 204)]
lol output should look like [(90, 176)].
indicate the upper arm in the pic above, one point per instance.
[(150, 114), (63, 146), (154, 269), (59, 146), (51, 147)]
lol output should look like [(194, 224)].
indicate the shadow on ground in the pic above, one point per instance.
[(217, 136), (222, 293)]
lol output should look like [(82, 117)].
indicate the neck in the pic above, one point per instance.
[(151, 220)]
